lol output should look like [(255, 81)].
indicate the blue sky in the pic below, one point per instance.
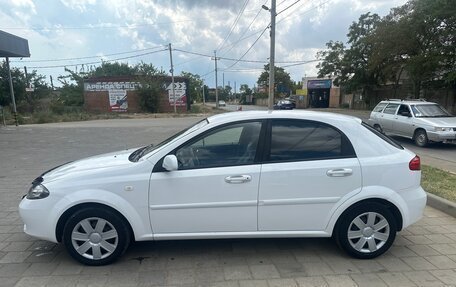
[(139, 30)]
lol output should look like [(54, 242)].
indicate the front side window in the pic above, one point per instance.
[(235, 144), (390, 109), (404, 111), (297, 140)]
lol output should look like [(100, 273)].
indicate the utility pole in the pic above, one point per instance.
[(172, 77), (271, 56), (235, 92), (204, 97), (216, 80), (223, 80), (13, 100)]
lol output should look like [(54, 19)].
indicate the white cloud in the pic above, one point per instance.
[(80, 5), (110, 26)]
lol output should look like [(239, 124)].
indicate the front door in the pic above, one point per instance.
[(216, 186), (309, 167), (403, 124)]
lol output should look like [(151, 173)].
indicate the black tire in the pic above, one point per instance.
[(359, 245), (100, 223), (378, 128), (421, 138)]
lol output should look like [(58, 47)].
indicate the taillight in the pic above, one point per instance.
[(415, 163)]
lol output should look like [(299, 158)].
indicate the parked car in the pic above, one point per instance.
[(234, 175), (284, 105), (222, 104), (421, 121)]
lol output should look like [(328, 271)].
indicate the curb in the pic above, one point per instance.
[(441, 204)]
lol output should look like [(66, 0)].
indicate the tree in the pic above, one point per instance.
[(332, 62), (417, 38), (281, 78), (195, 85), (25, 101)]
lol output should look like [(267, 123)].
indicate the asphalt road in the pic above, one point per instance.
[(438, 155)]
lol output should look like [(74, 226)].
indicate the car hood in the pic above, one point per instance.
[(440, 122), (103, 161)]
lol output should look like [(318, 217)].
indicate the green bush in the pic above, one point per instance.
[(149, 96)]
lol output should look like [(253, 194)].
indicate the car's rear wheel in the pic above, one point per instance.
[(421, 138), (95, 236), (366, 231)]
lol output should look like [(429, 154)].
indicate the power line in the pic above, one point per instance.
[(234, 24), (249, 48), (288, 7), (88, 57), (304, 12), (245, 31), (238, 60), (90, 63)]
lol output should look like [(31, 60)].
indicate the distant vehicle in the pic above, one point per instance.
[(284, 105), (424, 122), (249, 174), (222, 104), (293, 101)]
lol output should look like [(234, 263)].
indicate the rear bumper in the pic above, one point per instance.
[(415, 202)]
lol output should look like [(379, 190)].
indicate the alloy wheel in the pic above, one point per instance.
[(368, 232), (94, 238)]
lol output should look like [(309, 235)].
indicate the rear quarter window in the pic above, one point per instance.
[(378, 108), (383, 136)]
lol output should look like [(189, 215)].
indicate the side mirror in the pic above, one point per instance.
[(170, 162)]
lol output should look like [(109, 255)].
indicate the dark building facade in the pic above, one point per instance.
[(119, 94)]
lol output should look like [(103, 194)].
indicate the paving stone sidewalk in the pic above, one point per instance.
[(422, 255)]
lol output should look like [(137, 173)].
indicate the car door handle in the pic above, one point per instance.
[(238, 178), (339, 172)]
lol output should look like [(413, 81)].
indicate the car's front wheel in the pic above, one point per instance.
[(366, 231), (421, 138), (95, 236)]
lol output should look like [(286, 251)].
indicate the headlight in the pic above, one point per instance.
[(439, 129), (37, 192)]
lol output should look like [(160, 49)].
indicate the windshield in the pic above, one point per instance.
[(430, 111), (139, 153)]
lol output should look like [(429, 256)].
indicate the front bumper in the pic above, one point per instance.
[(40, 217), (446, 137)]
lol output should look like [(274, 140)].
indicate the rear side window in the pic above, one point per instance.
[(298, 140), (379, 107), (383, 136), (390, 109)]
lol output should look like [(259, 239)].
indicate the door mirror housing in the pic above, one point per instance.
[(170, 163)]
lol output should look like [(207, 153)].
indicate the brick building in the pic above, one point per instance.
[(119, 94)]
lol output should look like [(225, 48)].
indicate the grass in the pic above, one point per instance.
[(439, 182)]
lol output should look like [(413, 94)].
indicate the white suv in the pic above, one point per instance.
[(421, 121)]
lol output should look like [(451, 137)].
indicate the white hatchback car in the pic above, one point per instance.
[(234, 175)]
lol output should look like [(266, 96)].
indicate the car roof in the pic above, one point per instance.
[(278, 114), (409, 102)]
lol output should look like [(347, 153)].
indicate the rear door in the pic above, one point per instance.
[(308, 167), (388, 117)]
